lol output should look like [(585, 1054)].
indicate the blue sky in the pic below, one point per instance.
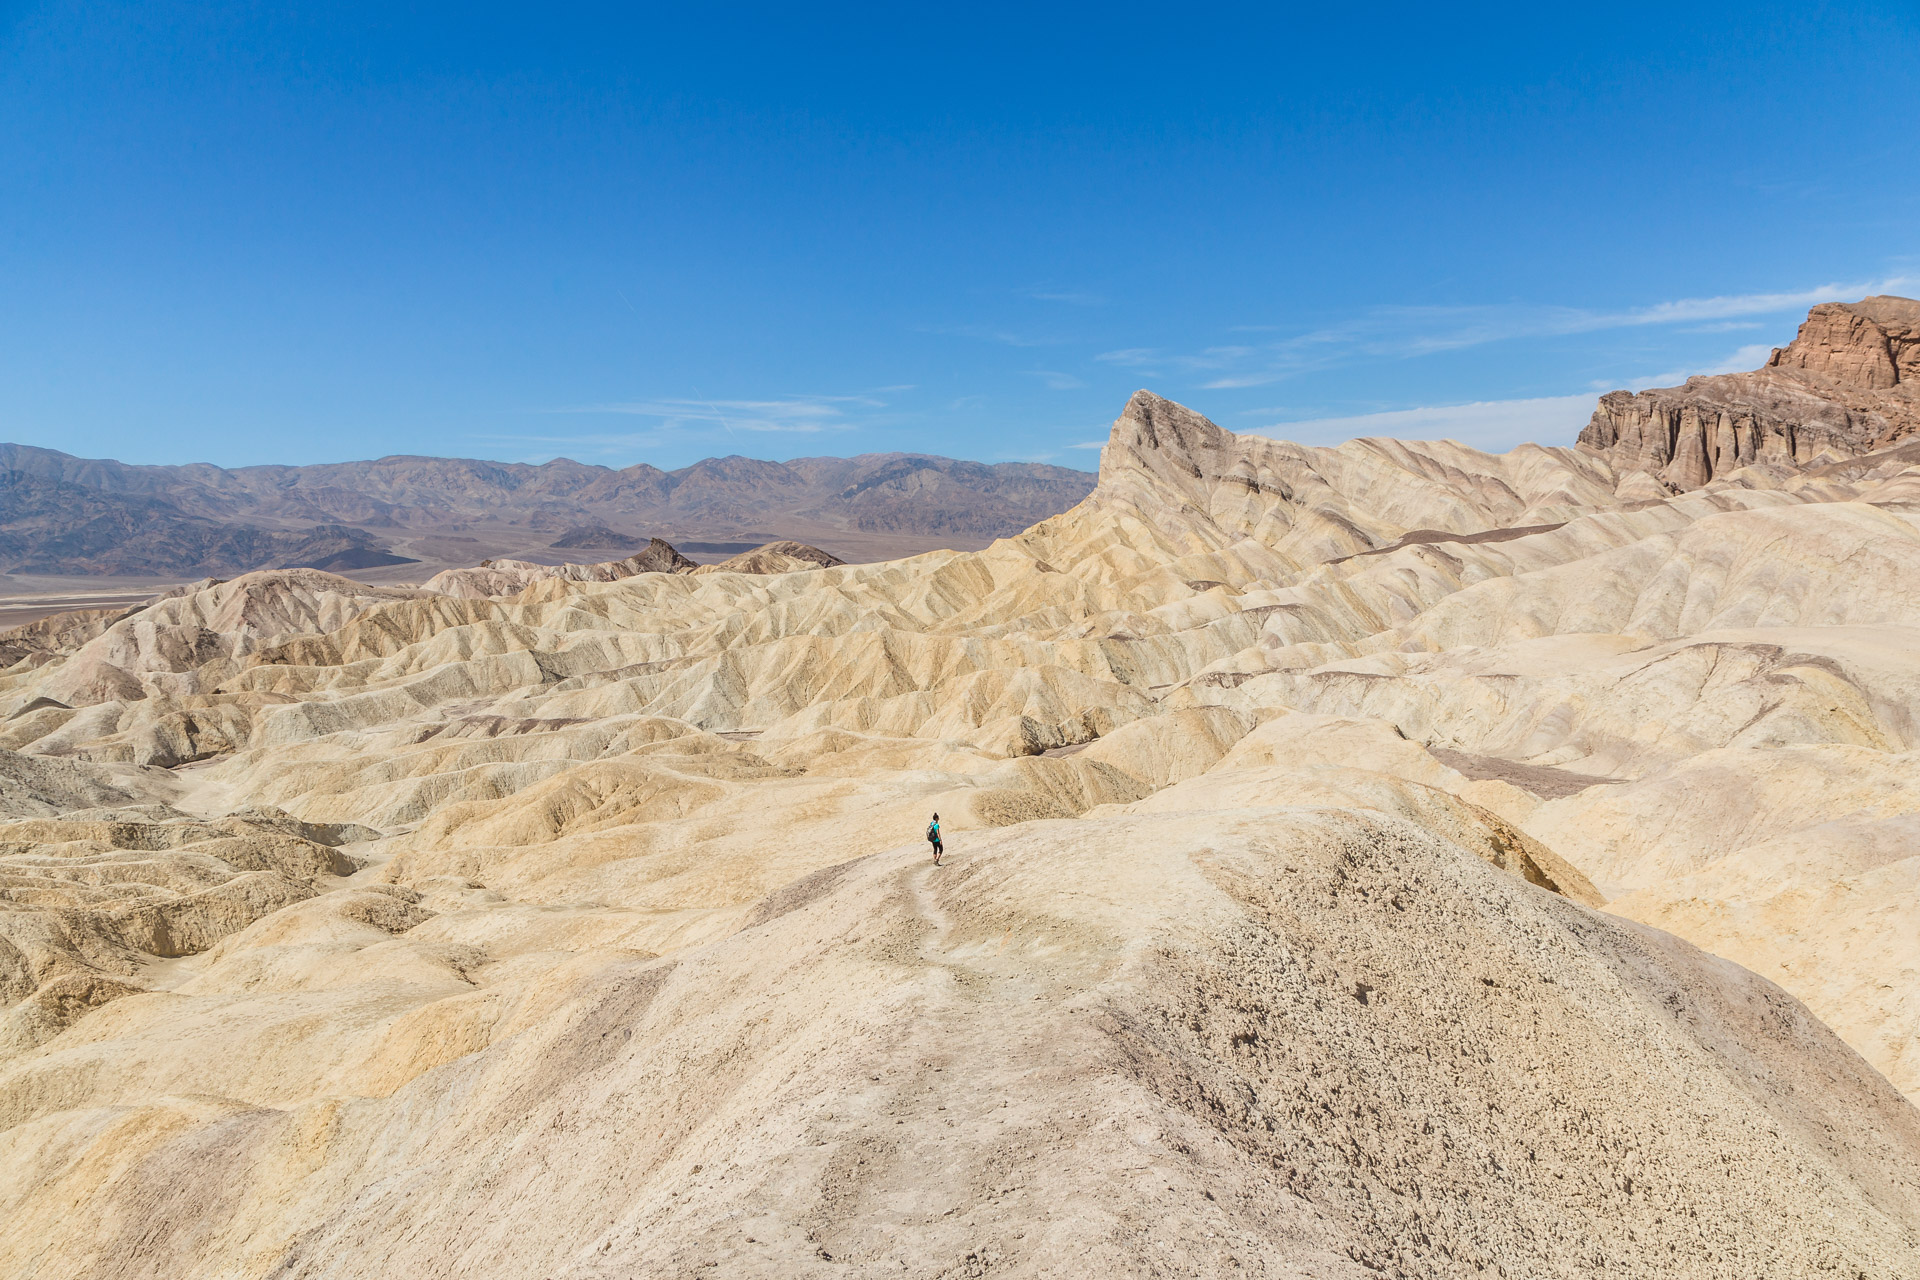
[(297, 233)]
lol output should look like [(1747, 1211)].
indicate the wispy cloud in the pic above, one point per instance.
[(1089, 444), (1741, 361), (1471, 326), (1055, 380), (1401, 332), (1069, 297), (1209, 358), (790, 413), (1497, 425), (992, 333), (1487, 424), (585, 444), (1747, 304), (1274, 360), (670, 423)]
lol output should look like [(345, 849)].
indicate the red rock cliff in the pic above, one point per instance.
[(1848, 384)]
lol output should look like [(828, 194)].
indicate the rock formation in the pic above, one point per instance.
[(785, 556), (591, 535), (509, 577), (1848, 384), (1348, 851)]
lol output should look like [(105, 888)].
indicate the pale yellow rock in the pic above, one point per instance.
[(551, 923)]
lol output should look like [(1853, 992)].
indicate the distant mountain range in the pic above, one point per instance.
[(63, 515), (1848, 385)]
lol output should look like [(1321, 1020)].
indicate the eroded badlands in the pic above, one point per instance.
[(1352, 857)]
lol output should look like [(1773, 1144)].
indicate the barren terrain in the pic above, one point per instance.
[(1353, 854)]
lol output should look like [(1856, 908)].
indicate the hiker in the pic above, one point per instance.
[(933, 838)]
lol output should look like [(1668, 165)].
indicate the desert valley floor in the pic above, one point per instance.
[(1383, 860)]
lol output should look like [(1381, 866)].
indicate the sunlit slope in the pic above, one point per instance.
[(1280, 785)]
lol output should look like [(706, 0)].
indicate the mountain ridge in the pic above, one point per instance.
[(1847, 386), (383, 501)]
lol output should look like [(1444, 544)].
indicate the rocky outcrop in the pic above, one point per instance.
[(1223, 508), (592, 535), (104, 657), (1848, 384), (776, 557), (88, 899), (509, 577), (57, 634), (1873, 344)]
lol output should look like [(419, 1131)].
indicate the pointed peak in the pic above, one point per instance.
[(1157, 436), (1146, 407)]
